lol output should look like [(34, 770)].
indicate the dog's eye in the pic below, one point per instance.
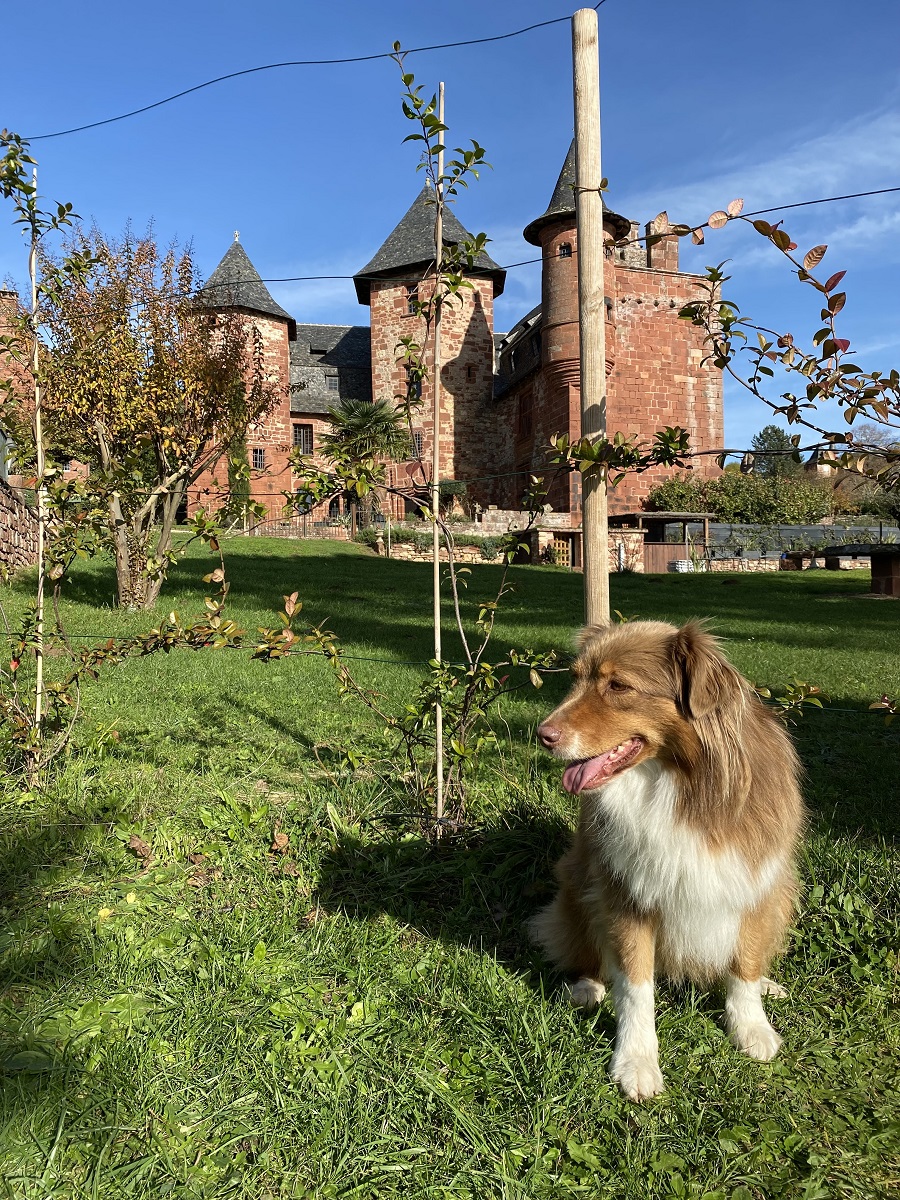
[(616, 685)]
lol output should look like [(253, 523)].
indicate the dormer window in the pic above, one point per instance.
[(332, 383), (565, 250)]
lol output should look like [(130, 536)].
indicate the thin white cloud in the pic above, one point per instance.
[(523, 284), (857, 156), (869, 237), (327, 301)]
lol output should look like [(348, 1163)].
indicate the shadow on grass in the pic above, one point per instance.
[(38, 949), (475, 890), (480, 888), (384, 604)]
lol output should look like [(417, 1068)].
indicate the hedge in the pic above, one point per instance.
[(745, 499)]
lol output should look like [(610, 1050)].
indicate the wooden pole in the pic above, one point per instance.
[(40, 466), (435, 468), (591, 306)]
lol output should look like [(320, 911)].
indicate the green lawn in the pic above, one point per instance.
[(363, 1015)]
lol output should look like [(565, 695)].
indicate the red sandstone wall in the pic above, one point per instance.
[(655, 375), (555, 388), (273, 434), (659, 378), (472, 444)]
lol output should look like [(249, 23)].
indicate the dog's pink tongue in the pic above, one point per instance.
[(582, 775)]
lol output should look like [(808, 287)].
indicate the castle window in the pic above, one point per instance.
[(332, 383), (565, 250), (258, 454), (303, 438), (418, 443), (412, 298), (524, 412), (470, 373)]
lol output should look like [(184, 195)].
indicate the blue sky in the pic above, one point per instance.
[(774, 102)]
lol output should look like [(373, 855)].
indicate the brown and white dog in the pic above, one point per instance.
[(683, 859)]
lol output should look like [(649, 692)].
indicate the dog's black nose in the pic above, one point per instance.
[(549, 735)]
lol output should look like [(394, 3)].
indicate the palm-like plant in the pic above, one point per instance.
[(367, 429), (367, 434)]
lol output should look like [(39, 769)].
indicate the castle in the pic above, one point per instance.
[(502, 395)]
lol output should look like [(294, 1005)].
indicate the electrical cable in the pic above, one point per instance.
[(526, 262), (312, 62)]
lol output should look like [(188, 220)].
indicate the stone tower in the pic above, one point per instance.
[(555, 231), (389, 284), (236, 284), (655, 363)]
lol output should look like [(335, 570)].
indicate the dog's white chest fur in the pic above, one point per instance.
[(700, 895)]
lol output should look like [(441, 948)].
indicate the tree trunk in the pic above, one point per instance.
[(134, 587), (132, 581), (139, 587)]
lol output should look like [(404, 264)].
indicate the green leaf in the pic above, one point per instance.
[(28, 1062)]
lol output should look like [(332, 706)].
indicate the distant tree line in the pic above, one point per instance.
[(777, 490)]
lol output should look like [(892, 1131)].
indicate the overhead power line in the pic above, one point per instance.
[(308, 62), (531, 262), (525, 262)]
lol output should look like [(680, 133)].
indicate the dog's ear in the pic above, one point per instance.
[(705, 679)]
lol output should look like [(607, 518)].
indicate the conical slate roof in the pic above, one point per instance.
[(235, 283), (562, 205), (411, 244)]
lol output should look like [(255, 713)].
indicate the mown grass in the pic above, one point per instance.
[(362, 1016)]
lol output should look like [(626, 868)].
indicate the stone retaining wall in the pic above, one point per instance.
[(461, 554), (744, 564), (501, 520), (18, 531)]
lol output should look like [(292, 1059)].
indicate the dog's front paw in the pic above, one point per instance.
[(638, 1075), (585, 993), (759, 1040)]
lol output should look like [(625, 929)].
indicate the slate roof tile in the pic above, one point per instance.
[(235, 283), (411, 244), (562, 204)]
